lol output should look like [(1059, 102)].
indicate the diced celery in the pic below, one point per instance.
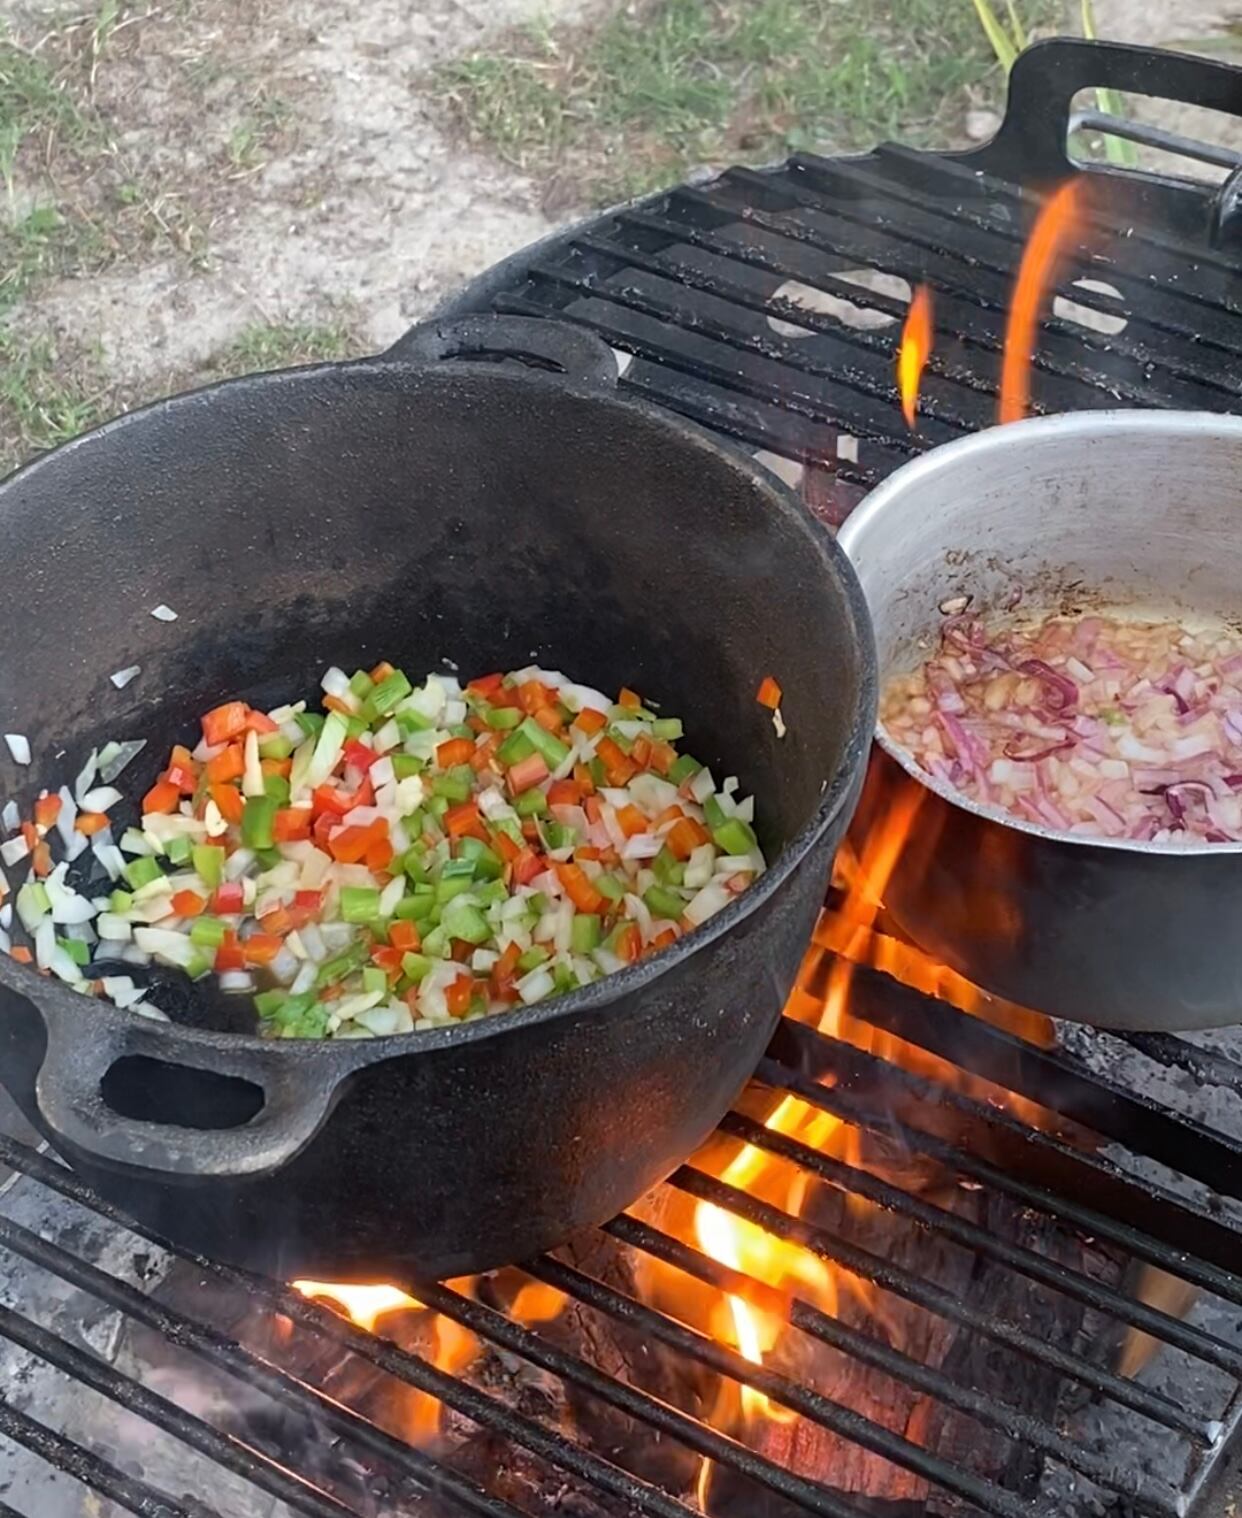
[(258, 819), (121, 901), (142, 871), (735, 837), (682, 768), (715, 813), (488, 865), (585, 934), (311, 723), (516, 747), (390, 691), (531, 803), (535, 956), (179, 849), (502, 718), (274, 746), (667, 729), (405, 765), (416, 966), (661, 902), (208, 861), (548, 744), (436, 943), (449, 886), (453, 785), (374, 979), (359, 903), (462, 920), (277, 787), (208, 932), (361, 684), (77, 951), (269, 1003), (668, 869), (410, 721), (609, 886)]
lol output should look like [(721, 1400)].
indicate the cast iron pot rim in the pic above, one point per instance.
[(827, 554), (950, 456)]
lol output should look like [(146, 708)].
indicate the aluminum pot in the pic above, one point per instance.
[(480, 493), (1128, 509)]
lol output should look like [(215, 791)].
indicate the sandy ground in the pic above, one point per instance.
[(357, 207)]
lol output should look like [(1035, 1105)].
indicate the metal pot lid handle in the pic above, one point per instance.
[(298, 1095), (549, 345)]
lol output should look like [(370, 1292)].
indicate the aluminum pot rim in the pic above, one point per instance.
[(1071, 426), (826, 553)]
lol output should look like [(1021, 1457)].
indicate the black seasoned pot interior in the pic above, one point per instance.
[(486, 517)]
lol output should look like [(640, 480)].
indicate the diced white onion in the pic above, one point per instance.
[(163, 613), (86, 776), (100, 798), (236, 982), (122, 677), (19, 747), (14, 850), (120, 757), (11, 818)]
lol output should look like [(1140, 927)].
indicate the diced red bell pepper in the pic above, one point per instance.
[(532, 694), (629, 943), (388, 958), (229, 802), (225, 722), (326, 798), (486, 685), (228, 764), (629, 699), (261, 723), (564, 793), (229, 900), (618, 766), (229, 956), (454, 751), (163, 797), (631, 821), (458, 995), (464, 821), (46, 811), (527, 865), (291, 824), (532, 770), (187, 904), (685, 836), (262, 948), (359, 755), (769, 693), (505, 846), (590, 722), (577, 886), (404, 936), (379, 856), (308, 901)]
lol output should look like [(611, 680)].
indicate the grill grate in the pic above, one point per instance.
[(1188, 1234), (1140, 1160), (694, 284)]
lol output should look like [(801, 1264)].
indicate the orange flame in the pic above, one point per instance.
[(454, 1347), (915, 350), (1058, 219), (363, 1305)]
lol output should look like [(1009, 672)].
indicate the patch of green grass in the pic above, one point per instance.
[(44, 400), (667, 83), (282, 345), (255, 132), (34, 102)]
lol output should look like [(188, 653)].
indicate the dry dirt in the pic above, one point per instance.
[(297, 172)]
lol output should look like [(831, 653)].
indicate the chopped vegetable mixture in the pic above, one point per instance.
[(1090, 725), (406, 858)]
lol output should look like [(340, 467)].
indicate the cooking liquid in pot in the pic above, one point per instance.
[(1114, 726)]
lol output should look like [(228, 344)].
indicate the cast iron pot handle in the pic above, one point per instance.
[(85, 1041), (548, 345), (1047, 76)]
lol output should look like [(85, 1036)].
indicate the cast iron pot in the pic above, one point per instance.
[(1132, 509), (424, 506)]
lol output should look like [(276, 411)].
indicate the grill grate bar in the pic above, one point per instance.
[(830, 1415), (637, 1495), (1205, 1065), (925, 1294), (999, 1416), (961, 260), (977, 324), (1060, 1208), (227, 1354), (1036, 1267), (1051, 1077), (697, 1436), (775, 424), (1183, 261), (225, 1450), (874, 380), (93, 1470), (769, 377)]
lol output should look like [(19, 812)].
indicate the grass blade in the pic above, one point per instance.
[(1002, 43), (1020, 38), (1119, 150)]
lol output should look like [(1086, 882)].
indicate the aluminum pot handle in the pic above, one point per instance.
[(1047, 76), (548, 345), (299, 1090)]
